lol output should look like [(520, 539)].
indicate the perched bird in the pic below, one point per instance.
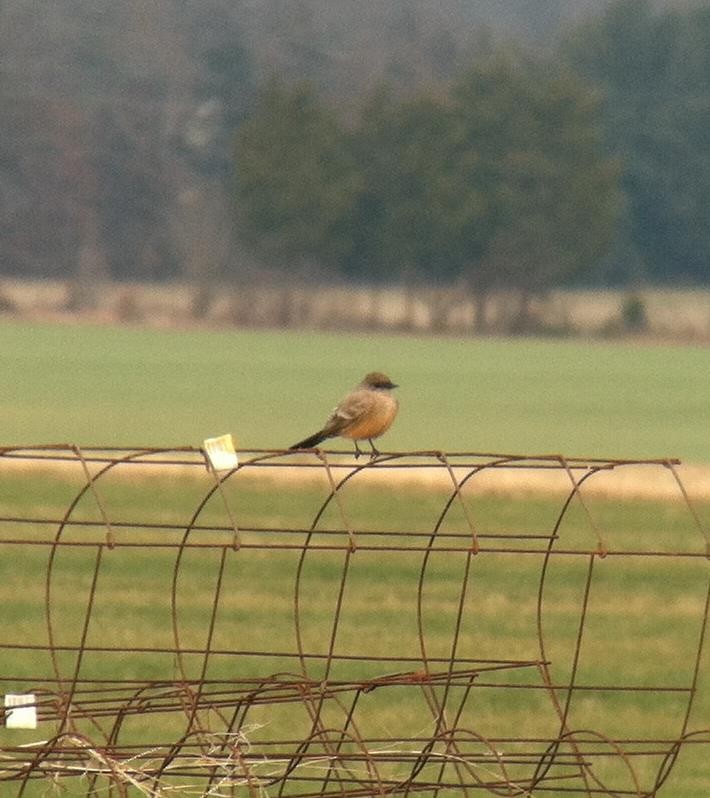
[(365, 413)]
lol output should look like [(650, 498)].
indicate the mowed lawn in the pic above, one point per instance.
[(124, 386)]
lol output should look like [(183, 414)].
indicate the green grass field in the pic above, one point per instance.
[(120, 386), (641, 629), (107, 386)]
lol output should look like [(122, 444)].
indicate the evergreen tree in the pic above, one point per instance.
[(296, 180), (654, 71), (418, 208), (551, 196)]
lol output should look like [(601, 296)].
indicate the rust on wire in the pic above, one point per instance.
[(311, 625)]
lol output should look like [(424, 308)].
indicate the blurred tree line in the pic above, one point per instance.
[(116, 138), (500, 182), (418, 148)]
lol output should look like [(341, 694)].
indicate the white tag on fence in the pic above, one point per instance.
[(220, 453), (21, 712)]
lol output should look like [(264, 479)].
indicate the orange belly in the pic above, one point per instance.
[(373, 423)]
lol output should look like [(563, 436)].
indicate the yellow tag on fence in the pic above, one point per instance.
[(220, 452)]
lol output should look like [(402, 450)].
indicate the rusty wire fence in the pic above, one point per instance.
[(311, 625)]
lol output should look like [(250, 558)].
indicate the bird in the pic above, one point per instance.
[(365, 413)]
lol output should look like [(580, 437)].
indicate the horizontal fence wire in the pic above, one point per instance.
[(312, 624)]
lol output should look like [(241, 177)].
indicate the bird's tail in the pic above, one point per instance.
[(310, 442)]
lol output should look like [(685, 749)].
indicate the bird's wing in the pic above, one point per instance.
[(348, 411)]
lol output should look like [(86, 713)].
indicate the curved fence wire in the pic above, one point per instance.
[(314, 625)]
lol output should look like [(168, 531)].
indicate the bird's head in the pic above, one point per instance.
[(378, 381)]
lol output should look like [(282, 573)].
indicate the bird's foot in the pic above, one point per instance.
[(375, 451)]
